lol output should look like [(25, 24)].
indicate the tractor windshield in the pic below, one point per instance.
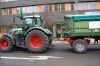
[(28, 21), (33, 22)]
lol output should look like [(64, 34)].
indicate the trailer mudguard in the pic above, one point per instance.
[(48, 32)]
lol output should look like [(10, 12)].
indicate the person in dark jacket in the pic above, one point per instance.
[(96, 41)]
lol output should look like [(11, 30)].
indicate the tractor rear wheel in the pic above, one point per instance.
[(5, 44), (37, 41), (50, 42)]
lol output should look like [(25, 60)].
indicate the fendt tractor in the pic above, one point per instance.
[(31, 34)]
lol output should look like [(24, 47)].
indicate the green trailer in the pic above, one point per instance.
[(80, 27)]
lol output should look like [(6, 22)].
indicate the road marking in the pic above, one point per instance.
[(46, 57), (30, 57), (20, 58)]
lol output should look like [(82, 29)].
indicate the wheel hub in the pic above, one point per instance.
[(4, 43), (35, 41), (80, 46)]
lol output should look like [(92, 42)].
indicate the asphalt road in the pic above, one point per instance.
[(60, 55)]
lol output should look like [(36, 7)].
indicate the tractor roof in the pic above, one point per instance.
[(31, 16)]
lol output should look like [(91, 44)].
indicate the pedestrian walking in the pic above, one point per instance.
[(95, 41)]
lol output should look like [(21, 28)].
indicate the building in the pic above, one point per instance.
[(52, 11)]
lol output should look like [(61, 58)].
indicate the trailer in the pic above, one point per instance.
[(79, 30)]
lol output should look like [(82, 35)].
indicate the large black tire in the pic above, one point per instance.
[(37, 41), (79, 46), (50, 42), (5, 44)]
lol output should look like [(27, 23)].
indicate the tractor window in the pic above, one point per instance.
[(28, 21), (37, 22)]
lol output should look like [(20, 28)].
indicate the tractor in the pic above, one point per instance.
[(30, 34)]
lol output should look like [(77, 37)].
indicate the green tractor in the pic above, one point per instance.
[(31, 35)]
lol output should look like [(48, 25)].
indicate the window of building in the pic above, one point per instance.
[(18, 10), (92, 5), (5, 11), (40, 8), (50, 7), (10, 11), (67, 7), (97, 5), (47, 8), (72, 6), (56, 7), (62, 7), (80, 6), (85, 6), (21, 8), (25, 10), (29, 9), (35, 9), (14, 11), (43, 8)]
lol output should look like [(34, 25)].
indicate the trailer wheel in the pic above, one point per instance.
[(79, 46), (37, 41), (5, 44)]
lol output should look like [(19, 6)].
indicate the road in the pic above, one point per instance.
[(60, 55)]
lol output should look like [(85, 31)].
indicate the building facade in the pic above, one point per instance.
[(52, 11)]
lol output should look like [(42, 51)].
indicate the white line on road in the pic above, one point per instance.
[(30, 57), (20, 58), (46, 56)]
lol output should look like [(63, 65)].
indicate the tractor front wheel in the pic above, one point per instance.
[(5, 44), (37, 41)]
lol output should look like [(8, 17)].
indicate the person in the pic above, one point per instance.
[(58, 33), (95, 41)]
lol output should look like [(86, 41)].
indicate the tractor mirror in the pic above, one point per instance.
[(20, 17)]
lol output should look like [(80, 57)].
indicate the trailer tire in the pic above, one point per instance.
[(79, 46), (37, 41), (5, 44)]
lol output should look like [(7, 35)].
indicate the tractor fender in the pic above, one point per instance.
[(48, 32), (11, 37)]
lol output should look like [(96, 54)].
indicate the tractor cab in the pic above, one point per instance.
[(32, 21)]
